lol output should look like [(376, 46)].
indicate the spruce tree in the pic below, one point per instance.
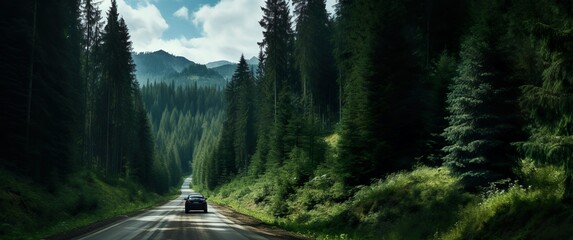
[(314, 59), (277, 81), (91, 27), (548, 101), (39, 56), (244, 142), (381, 68), (115, 103), (484, 118)]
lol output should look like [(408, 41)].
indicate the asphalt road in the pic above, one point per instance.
[(171, 222)]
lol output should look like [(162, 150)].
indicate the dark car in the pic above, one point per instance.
[(195, 201)]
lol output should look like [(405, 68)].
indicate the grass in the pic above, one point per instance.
[(530, 211), (30, 211), (425, 203)]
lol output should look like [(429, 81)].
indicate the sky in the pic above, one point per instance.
[(202, 31)]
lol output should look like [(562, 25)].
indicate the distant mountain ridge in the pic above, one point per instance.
[(161, 66), (227, 70), (253, 61), (218, 63), (159, 63)]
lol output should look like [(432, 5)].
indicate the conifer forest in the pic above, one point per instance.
[(388, 119)]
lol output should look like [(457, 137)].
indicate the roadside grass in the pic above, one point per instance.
[(532, 210), (424, 203), (30, 211)]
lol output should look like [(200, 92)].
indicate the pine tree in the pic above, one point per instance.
[(141, 164), (484, 117), (39, 90), (91, 43), (314, 59), (263, 114), (381, 69), (278, 79), (442, 72), (244, 142), (116, 96), (548, 101)]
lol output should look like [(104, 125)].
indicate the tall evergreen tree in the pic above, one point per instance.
[(278, 79), (39, 90), (484, 117), (140, 165), (91, 42), (381, 68), (116, 95), (314, 59), (263, 115), (442, 73), (245, 138), (548, 101)]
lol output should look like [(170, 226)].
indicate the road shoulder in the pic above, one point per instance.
[(255, 225)]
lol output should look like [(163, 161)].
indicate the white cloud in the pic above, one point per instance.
[(144, 21), (183, 12), (229, 28), (330, 6)]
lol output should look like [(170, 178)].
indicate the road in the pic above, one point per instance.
[(171, 222)]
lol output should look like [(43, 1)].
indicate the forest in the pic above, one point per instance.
[(402, 120), (83, 140), (389, 119)]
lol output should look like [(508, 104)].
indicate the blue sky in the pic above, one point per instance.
[(200, 30)]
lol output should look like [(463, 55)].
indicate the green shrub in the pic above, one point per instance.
[(425, 203), (533, 211), (31, 212)]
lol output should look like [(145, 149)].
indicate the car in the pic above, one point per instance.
[(195, 201)]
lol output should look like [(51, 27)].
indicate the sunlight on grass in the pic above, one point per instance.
[(425, 203), (332, 140), (518, 212), (32, 212)]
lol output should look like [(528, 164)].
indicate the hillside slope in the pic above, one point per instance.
[(161, 66)]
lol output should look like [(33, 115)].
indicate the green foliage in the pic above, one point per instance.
[(443, 71), (548, 101), (32, 212), (400, 206), (276, 86), (74, 119), (426, 203), (235, 143), (406, 201), (383, 126), (39, 99), (185, 122), (203, 168), (115, 105), (525, 212), (484, 118), (314, 59)]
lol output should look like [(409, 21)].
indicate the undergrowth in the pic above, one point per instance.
[(425, 203), (30, 211)]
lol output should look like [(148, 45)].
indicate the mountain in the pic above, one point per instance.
[(253, 61), (218, 63), (197, 74), (161, 66), (151, 66), (227, 70)]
